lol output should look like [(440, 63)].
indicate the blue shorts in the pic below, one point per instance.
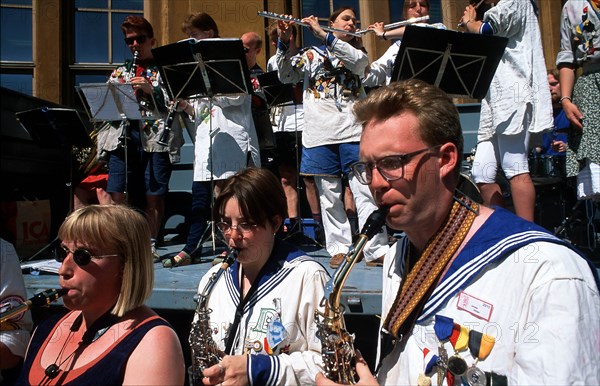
[(149, 170), (329, 160)]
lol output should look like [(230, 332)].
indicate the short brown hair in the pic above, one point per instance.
[(259, 194), (137, 24), (438, 117)]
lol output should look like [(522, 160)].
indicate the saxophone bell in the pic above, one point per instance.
[(205, 352)]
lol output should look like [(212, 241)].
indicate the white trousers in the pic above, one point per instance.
[(335, 222)]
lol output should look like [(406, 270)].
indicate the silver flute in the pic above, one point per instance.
[(398, 24), (272, 15)]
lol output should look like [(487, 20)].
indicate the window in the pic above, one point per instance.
[(97, 43), (16, 53)]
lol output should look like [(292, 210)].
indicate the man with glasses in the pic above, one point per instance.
[(470, 292), (146, 169)]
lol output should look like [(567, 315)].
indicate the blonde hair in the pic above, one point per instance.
[(122, 229)]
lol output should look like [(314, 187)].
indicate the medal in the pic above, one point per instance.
[(480, 346), (459, 339), (457, 365), (475, 376), (441, 364), (443, 328)]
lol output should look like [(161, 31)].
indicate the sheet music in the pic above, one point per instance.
[(113, 102)]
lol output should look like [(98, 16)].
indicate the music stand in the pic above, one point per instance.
[(193, 69), (461, 64), (115, 102), (51, 128)]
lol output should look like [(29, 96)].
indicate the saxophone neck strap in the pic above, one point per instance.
[(421, 279)]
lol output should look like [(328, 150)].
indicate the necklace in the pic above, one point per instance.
[(96, 330)]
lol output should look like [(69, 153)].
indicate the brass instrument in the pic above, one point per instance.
[(337, 344), (398, 24), (38, 300), (272, 15), (205, 352)]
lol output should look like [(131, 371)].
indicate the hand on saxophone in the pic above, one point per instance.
[(231, 371), (362, 370)]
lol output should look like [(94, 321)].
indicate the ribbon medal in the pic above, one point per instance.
[(480, 346), (443, 330), (459, 339)]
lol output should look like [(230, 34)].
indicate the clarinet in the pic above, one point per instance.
[(39, 300), (337, 344), (133, 68), (163, 140), (205, 352)]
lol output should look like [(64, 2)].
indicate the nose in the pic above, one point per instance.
[(66, 267), (378, 182)]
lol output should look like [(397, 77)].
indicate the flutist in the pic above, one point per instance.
[(380, 71), (146, 168), (332, 76), (262, 308), (108, 337)]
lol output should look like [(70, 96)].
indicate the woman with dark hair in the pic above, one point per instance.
[(332, 83), (263, 307), (225, 142)]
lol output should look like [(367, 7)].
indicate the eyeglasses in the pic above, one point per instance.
[(391, 167), (80, 256), (141, 39), (243, 227)]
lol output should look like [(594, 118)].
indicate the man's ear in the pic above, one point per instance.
[(449, 157)]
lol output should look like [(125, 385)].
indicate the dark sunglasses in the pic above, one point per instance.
[(80, 256), (141, 39)]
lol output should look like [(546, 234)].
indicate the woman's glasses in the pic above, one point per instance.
[(141, 39), (80, 256), (243, 227)]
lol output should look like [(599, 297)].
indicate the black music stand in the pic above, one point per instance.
[(52, 128), (115, 102), (461, 64), (195, 69), (203, 68)]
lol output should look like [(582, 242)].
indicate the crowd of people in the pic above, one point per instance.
[(472, 293)]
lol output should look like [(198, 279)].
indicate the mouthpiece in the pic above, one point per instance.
[(375, 222)]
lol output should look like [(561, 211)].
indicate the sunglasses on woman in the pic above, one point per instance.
[(81, 256)]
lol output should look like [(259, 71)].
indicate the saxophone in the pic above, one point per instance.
[(205, 352), (337, 344)]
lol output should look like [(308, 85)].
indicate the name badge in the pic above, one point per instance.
[(474, 306)]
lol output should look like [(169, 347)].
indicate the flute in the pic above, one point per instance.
[(41, 299), (272, 15), (461, 24), (398, 24)]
